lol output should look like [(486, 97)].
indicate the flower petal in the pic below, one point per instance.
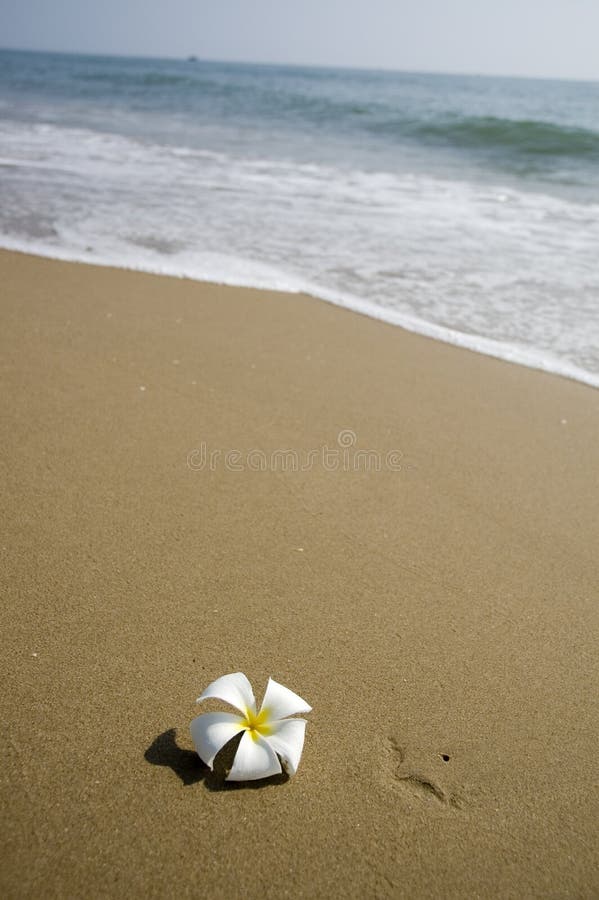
[(211, 731), (281, 702), (255, 758), (287, 739), (234, 689)]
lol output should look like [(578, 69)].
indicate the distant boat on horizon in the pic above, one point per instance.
[(192, 59)]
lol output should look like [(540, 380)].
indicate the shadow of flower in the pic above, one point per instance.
[(187, 765)]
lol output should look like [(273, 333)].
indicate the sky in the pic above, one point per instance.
[(539, 38)]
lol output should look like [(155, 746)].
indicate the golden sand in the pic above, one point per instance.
[(439, 609)]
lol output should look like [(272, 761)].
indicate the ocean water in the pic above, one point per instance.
[(462, 207)]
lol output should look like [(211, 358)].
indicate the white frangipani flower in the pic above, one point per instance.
[(269, 734)]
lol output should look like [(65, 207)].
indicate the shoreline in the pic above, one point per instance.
[(527, 357), (437, 610)]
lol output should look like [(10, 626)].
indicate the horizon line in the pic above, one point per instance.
[(193, 58)]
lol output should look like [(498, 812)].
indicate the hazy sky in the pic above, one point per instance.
[(551, 38)]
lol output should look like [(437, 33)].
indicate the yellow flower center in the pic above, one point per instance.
[(257, 723)]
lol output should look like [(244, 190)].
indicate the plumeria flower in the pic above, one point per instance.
[(268, 734)]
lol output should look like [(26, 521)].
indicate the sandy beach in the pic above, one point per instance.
[(199, 480)]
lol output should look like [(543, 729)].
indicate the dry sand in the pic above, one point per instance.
[(441, 619)]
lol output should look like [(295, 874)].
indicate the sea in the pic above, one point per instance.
[(462, 207)]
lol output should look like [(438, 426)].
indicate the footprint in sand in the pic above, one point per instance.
[(423, 773)]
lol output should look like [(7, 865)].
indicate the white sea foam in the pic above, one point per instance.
[(505, 272), (227, 270)]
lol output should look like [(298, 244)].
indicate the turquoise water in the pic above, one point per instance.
[(463, 207)]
